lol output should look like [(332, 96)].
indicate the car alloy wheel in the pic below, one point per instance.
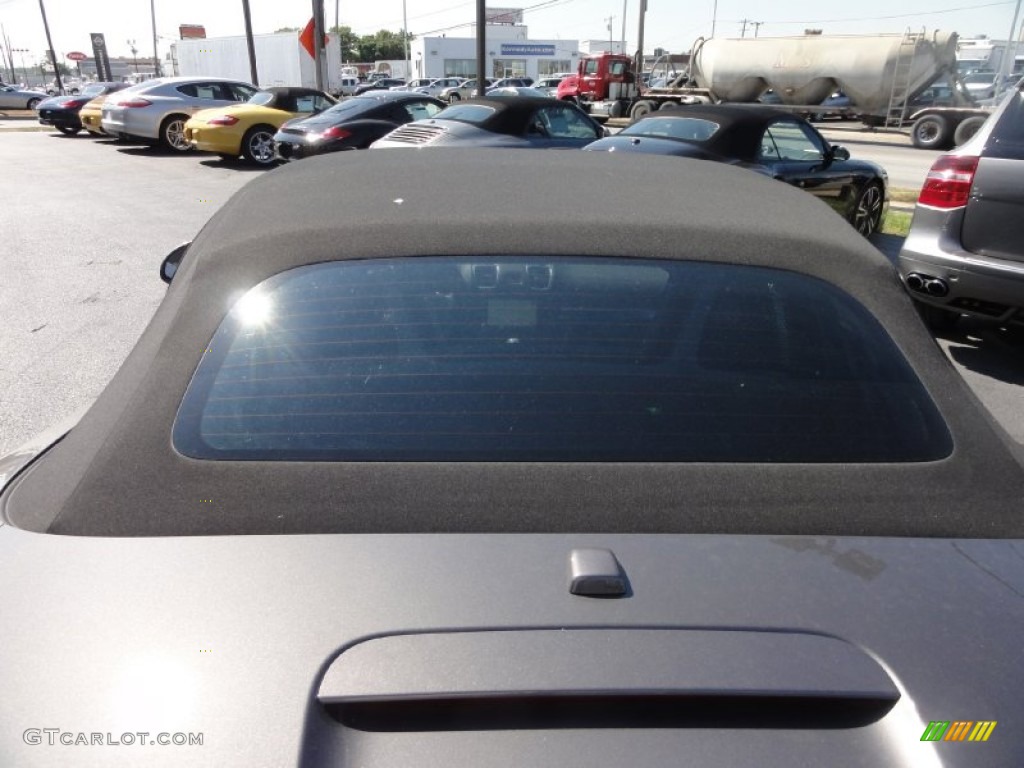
[(867, 212), (32, 103), (453, 98), (173, 134), (258, 146)]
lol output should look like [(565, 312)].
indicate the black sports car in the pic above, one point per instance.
[(354, 123), (62, 111), (769, 141)]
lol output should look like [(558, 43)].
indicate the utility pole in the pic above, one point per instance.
[(611, 44), (639, 66), (481, 45), (249, 43), (623, 51), (405, 37), (8, 56), (134, 50), (318, 42), (756, 25), (53, 55), (714, 18), (743, 29), (156, 53)]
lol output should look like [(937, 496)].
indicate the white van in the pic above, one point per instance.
[(347, 85)]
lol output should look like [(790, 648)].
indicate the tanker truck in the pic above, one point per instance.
[(881, 74)]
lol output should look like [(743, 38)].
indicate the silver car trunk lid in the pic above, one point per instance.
[(450, 650)]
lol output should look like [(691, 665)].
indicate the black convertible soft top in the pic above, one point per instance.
[(117, 474)]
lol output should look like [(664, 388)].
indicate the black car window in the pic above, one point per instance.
[(567, 123), (420, 110), (789, 141), (1008, 132), (554, 359), (262, 98), (350, 108), (467, 113), (683, 128), (239, 92), (188, 89)]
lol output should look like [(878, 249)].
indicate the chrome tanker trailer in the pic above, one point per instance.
[(881, 74)]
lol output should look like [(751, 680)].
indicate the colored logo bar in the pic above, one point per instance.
[(958, 730)]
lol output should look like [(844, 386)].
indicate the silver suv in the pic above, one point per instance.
[(965, 250)]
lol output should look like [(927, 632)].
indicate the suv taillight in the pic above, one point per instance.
[(948, 184)]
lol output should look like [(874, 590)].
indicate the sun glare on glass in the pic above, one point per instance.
[(254, 309)]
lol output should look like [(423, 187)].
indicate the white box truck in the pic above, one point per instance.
[(280, 60)]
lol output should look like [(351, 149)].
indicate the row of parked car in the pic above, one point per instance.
[(285, 124)]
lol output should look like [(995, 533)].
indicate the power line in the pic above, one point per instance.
[(893, 16)]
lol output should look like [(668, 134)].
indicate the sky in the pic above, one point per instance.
[(670, 24)]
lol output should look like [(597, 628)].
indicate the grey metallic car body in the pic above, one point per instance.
[(969, 258), (15, 98), (772, 615), (172, 101)]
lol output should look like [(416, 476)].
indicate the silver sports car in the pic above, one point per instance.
[(519, 490)]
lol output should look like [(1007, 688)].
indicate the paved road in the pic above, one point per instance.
[(86, 224)]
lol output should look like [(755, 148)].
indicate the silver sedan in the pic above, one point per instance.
[(157, 110)]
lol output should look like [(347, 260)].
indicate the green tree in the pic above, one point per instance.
[(287, 29), (381, 45), (349, 42)]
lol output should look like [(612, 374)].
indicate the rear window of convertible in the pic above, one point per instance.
[(567, 359)]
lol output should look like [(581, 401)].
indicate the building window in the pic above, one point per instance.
[(460, 67), (547, 67), (509, 68)]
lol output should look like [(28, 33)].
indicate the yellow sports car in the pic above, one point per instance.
[(90, 113), (248, 129)]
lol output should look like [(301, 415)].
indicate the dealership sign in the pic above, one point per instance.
[(526, 49), (76, 56)]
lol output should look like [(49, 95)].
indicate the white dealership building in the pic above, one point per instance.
[(510, 53)]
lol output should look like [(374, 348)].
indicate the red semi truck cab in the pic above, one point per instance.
[(603, 85)]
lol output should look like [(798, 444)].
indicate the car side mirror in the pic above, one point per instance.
[(172, 261), (840, 153)]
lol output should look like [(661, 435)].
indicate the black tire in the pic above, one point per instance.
[(669, 105), (258, 146), (866, 216), (32, 103), (67, 130), (939, 320), (172, 134), (966, 130), (641, 109), (931, 132)]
